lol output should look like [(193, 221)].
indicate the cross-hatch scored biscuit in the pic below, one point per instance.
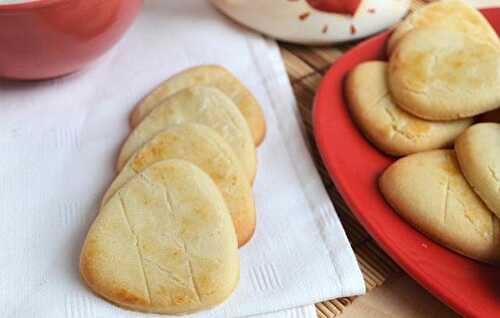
[(438, 74), (428, 190), (391, 129), (163, 243), (203, 147), (203, 105), (478, 152), (210, 75), (455, 15)]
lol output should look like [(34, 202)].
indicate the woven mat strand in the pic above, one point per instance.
[(305, 67)]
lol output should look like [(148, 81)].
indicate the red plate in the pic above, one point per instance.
[(469, 287)]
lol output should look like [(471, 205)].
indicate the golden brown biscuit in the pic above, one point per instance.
[(198, 104), (439, 74), (428, 190), (163, 243), (391, 129), (203, 147), (453, 15), (210, 75), (478, 152)]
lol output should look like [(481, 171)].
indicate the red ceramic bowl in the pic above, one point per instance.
[(471, 288), (48, 38)]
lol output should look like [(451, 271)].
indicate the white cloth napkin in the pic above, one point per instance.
[(58, 144)]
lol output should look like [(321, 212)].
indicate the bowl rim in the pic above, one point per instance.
[(29, 4)]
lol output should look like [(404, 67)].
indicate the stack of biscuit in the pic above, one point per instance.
[(443, 73), (167, 234)]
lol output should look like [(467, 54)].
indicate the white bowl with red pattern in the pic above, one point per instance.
[(315, 21)]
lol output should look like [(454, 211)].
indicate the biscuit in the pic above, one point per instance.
[(439, 74), (210, 75), (478, 152), (203, 105), (391, 129), (203, 147), (428, 190), (449, 14), (163, 243)]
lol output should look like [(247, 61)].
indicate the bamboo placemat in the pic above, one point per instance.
[(305, 67)]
